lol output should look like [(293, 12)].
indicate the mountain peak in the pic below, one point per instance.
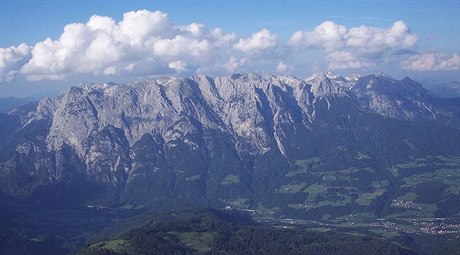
[(324, 84), (384, 75), (330, 75), (322, 76), (353, 77)]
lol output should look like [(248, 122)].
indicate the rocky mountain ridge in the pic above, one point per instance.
[(152, 106), (184, 137)]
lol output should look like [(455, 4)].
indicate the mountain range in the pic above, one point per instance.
[(322, 148), (203, 138)]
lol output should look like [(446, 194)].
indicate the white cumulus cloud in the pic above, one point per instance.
[(146, 43), (371, 39), (142, 43), (433, 62), (259, 41), (281, 67), (345, 60), (143, 25), (327, 35), (181, 46), (355, 47), (234, 64), (179, 66), (331, 36), (11, 61)]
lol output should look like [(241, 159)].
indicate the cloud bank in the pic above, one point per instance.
[(148, 43), (356, 47), (433, 62)]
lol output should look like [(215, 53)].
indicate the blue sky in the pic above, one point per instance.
[(415, 38)]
